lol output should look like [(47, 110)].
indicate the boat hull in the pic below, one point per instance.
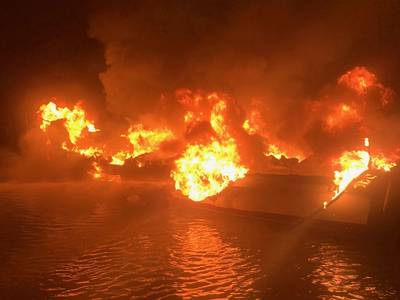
[(297, 196)]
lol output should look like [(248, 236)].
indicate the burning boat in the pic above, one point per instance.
[(232, 157), (295, 197)]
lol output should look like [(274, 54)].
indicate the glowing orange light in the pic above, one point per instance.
[(352, 164), (341, 116), (380, 162), (217, 119), (143, 141), (278, 153), (206, 170), (87, 152), (74, 120), (248, 128), (359, 79)]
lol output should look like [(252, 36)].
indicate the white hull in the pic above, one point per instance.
[(297, 196)]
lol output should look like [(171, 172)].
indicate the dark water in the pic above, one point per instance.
[(104, 241)]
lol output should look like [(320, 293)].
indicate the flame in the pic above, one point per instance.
[(342, 115), (380, 162), (248, 128), (352, 164), (366, 142), (143, 141), (97, 171), (254, 123), (208, 167), (206, 170), (358, 79), (119, 158), (87, 152), (278, 153), (217, 119), (74, 120), (189, 117), (147, 141)]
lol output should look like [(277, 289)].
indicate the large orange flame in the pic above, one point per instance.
[(74, 120), (352, 164), (206, 170), (207, 167)]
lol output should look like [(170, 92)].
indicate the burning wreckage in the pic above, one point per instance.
[(338, 161)]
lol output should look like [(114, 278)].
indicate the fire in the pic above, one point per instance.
[(211, 161), (217, 119), (352, 164), (147, 141), (74, 120), (119, 158), (87, 152), (97, 171), (366, 142), (342, 115), (278, 153), (254, 123), (358, 79), (380, 162), (248, 128), (206, 170), (143, 141), (189, 117)]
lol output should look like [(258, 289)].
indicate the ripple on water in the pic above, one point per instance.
[(104, 248), (339, 271), (185, 259)]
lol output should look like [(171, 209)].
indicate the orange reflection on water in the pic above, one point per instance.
[(341, 275), (211, 267)]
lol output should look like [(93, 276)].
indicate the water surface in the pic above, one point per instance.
[(106, 241)]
